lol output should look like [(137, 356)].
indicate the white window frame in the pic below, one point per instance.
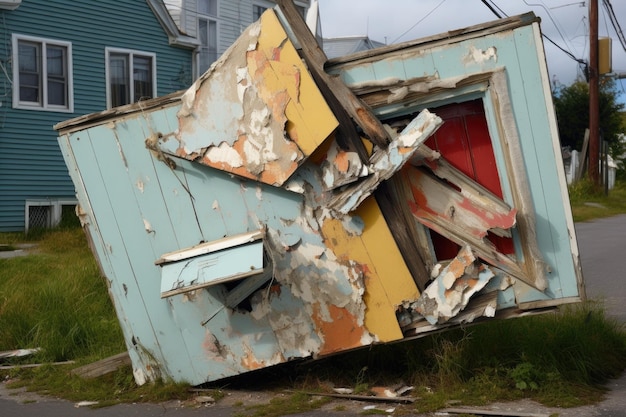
[(304, 7), (210, 18), (131, 54), (261, 3), (42, 104), (301, 6)]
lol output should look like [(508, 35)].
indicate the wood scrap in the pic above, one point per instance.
[(103, 367), (402, 400)]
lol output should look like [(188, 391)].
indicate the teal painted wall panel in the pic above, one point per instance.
[(135, 284)]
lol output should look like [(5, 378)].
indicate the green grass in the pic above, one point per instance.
[(590, 203), (283, 405), (56, 299)]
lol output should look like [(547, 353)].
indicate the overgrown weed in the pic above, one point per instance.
[(590, 202)]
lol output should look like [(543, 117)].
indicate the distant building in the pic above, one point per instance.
[(217, 23), (61, 59), (335, 47)]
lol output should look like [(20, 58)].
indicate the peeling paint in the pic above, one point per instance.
[(386, 162), (452, 289), (479, 56), (254, 166), (245, 115)]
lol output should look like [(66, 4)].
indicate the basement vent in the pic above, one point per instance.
[(39, 217), (43, 214)]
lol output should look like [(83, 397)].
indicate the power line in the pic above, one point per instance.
[(615, 23), (419, 21), (554, 22), (493, 10), (568, 53)]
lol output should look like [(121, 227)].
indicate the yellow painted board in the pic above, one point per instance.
[(311, 119), (377, 238), (387, 278)]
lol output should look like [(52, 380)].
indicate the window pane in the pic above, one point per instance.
[(204, 34), (142, 77), (207, 7), (57, 77), (257, 11), (29, 55), (56, 60), (119, 79), (208, 39), (56, 93)]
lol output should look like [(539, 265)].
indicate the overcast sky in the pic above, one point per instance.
[(564, 21)]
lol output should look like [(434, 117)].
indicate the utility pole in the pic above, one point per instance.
[(594, 100)]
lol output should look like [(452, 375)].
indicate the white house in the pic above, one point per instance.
[(218, 23)]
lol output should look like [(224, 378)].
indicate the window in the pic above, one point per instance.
[(42, 74), (131, 76), (302, 11), (207, 33), (257, 11)]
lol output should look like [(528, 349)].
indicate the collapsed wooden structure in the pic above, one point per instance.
[(286, 206)]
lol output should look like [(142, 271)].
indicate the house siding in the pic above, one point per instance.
[(232, 18), (31, 163)]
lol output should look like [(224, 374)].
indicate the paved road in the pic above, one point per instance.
[(601, 245)]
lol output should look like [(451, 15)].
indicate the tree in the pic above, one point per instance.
[(572, 111)]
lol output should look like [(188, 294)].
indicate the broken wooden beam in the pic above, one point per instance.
[(316, 59), (403, 400), (103, 367), (491, 413), (34, 365)]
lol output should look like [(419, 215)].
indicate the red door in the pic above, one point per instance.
[(464, 141)]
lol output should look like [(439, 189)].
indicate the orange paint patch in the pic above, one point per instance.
[(249, 361), (342, 162), (341, 333)]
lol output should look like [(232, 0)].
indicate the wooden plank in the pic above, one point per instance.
[(442, 208), (34, 365), (316, 59), (103, 367), (583, 158), (213, 246), (413, 246), (211, 268), (485, 412), (310, 119), (441, 39), (372, 398)]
